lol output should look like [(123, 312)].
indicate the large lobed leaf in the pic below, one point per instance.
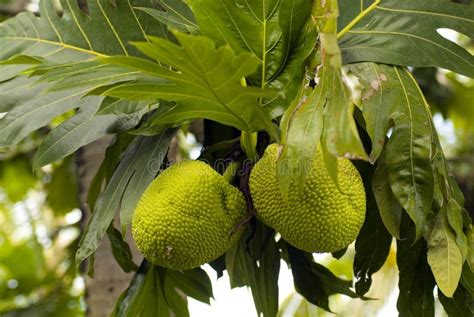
[(406, 33), (205, 82), (71, 37), (276, 32)]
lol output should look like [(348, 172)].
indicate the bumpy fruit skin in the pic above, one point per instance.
[(186, 216), (323, 219)]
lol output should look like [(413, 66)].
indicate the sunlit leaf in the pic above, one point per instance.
[(70, 37), (279, 33), (204, 88)]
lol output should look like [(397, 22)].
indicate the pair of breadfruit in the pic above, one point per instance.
[(188, 215)]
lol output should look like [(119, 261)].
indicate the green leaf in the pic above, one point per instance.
[(340, 135), (348, 11), (467, 279), (405, 33), (194, 283), (444, 256), (204, 88), (372, 245), (112, 159), (174, 298), (391, 99), (460, 305), (389, 208), (455, 220), (71, 37), (302, 126), (280, 33), (144, 297), (84, 128), (37, 111), (118, 107), (470, 241), (62, 189), (328, 111), (416, 282), (121, 250), (315, 282), (263, 278), (137, 169), (176, 15)]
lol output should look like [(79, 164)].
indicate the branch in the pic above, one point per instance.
[(13, 9)]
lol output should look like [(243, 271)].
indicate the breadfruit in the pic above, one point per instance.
[(324, 218), (186, 217)]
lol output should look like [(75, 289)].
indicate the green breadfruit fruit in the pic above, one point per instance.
[(186, 216), (324, 218)]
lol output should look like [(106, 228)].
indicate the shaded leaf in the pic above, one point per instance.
[(315, 282), (372, 245), (262, 278), (389, 209), (416, 282), (460, 305), (467, 279), (144, 297), (121, 250), (194, 283)]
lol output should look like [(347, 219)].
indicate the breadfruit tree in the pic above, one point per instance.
[(315, 134)]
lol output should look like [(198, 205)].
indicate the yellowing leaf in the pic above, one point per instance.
[(444, 256)]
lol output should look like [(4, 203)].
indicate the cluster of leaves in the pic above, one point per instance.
[(138, 70)]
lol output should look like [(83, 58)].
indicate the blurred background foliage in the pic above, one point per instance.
[(40, 220)]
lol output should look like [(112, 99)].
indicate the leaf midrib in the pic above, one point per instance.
[(422, 13), (410, 35)]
